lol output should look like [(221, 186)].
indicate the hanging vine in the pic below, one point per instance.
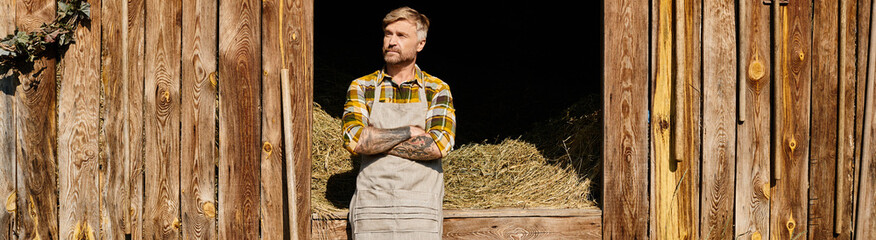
[(19, 49)]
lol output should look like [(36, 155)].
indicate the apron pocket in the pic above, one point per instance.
[(396, 212)]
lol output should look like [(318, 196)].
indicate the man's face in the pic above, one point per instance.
[(400, 42)]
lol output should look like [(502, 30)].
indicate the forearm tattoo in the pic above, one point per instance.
[(417, 148), (376, 140)]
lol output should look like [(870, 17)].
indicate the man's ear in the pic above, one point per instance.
[(420, 45)]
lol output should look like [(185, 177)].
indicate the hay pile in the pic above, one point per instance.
[(511, 174)]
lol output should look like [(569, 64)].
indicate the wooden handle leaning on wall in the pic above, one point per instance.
[(777, 91), (287, 138), (841, 123)]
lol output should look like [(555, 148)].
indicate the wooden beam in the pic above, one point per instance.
[(863, 47), (78, 120), (37, 130), (493, 224), (719, 119), (753, 136), (161, 214), (239, 119), (121, 174), (272, 154), (788, 196), (846, 119), (299, 55), (823, 156), (7, 132), (625, 99), (865, 224), (198, 153)]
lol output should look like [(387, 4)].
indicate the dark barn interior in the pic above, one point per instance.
[(510, 66)]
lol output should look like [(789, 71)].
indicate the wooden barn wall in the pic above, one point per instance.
[(160, 122), (757, 117)]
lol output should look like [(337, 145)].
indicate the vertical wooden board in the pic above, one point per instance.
[(161, 119), (274, 20), (671, 217), (719, 119), (198, 143), (625, 98), (122, 141), (846, 118), (78, 107), (688, 98), (823, 155), (753, 136), (7, 132), (300, 61), (865, 222), (239, 119), (36, 130), (788, 209), (863, 39)]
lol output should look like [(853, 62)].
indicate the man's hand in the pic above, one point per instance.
[(420, 146)]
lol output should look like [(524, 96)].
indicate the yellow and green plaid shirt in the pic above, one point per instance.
[(440, 118)]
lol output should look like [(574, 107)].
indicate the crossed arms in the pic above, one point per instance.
[(409, 142)]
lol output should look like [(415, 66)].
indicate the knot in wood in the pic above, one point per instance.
[(755, 70)]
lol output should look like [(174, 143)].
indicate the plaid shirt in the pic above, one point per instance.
[(440, 117)]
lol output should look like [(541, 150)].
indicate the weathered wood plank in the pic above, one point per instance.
[(299, 36), (863, 36), (239, 119), (688, 98), (274, 21), (198, 153), (494, 224), (7, 132), (788, 196), (36, 129), (719, 119), (122, 140), (625, 168), (161, 214), (79, 210), (671, 213), (753, 136), (846, 119), (823, 155), (865, 223)]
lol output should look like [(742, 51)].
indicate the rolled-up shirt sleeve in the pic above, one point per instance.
[(355, 115), (441, 119)]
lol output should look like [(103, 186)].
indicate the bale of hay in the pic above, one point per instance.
[(511, 174)]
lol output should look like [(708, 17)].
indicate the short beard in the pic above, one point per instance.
[(399, 58)]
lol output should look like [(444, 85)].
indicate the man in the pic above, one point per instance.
[(401, 121)]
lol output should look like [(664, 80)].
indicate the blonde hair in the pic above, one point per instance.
[(409, 14)]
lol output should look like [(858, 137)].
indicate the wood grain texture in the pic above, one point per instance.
[(36, 129), (625, 98), (667, 209), (788, 211), (161, 214), (493, 224), (719, 120), (298, 42), (79, 205), (7, 132), (753, 136), (239, 119), (823, 155), (121, 174), (863, 48), (274, 20), (198, 153), (865, 223), (687, 113), (846, 119)]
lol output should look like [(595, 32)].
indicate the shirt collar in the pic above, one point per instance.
[(419, 76)]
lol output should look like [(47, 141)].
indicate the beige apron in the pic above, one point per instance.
[(397, 198)]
